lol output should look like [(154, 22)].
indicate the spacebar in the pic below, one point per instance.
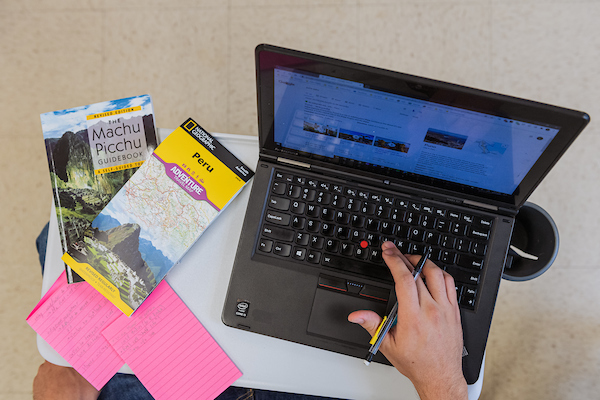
[(379, 271)]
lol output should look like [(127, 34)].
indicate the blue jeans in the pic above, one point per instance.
[(128, 387)]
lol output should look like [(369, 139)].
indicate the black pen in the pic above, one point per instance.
[(388, 321)]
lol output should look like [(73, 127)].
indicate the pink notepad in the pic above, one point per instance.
[(71, 318), (169, 350)]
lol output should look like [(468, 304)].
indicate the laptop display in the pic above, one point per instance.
[(399, 136), (352, 156)]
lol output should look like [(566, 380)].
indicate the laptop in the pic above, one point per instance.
[(352, 156)]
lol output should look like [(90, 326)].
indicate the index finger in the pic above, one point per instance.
[(401, 269)]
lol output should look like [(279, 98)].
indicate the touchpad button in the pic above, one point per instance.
[(329, 316)]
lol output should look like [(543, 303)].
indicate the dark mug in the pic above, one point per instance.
[(534, 244)]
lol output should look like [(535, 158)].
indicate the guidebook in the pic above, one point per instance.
[(157, 216), (92, 151)]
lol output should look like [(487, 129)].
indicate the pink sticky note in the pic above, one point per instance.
[(170, 351), (71, 318)]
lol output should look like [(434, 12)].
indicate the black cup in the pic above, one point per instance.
[(535, 233)]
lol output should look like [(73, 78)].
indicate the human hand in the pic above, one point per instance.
[(426, 343), (61, 383)]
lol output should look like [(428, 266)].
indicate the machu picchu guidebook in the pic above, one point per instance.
[(157, 216), (92, 151)]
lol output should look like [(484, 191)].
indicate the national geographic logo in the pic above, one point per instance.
[(189, 125)]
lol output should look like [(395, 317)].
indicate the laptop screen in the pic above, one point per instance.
[(399, 135), (452, 138)]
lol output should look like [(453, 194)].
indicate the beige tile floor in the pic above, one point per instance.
[(196, 59)]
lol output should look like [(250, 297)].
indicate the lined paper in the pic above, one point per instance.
[(170, 351), (71, 319)]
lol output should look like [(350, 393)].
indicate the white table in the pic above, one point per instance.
[(201, 280)]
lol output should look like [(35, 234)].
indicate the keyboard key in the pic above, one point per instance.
[(275, 232), (402, 204), (327, 229), (327, 214), (323, 198), (458, 229), (368, 208), (265, 245), (342, 217), (387, 227), (357, 221), (294, 191), (455, 216), (278, 188), (332, 245), (316, 242), (284, 177), (299, 253), (360, 253), (463, 245), (342, 232), (313, 257), (347, 249), (353, 204), (417, 234), (297, 207), (302, 238), (432, 238), (338, 201), (470, 262), (372, 224), (313, 225), (299, 180), (477, 233), (298, 222), (279, 203), (478, 248), (308, 194), (277, 218), (412, 218), (388, 200), (281, 249), (460, 275), (313, 211)]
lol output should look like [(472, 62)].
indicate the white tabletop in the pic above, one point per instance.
[(201, 280)]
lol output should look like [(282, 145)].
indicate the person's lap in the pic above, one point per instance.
[(128, 387)]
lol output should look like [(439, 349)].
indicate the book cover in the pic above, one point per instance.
[(157, 216), (92, 151)]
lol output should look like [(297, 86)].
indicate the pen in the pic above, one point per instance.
[(389, 320)]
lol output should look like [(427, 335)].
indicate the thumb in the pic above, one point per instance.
[(369, 320)]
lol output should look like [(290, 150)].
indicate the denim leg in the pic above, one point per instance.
[(41, 243), (124, 387)]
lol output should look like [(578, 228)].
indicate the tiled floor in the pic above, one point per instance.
[(195, 57)]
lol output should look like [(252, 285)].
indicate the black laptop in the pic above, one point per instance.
[(352, 156)]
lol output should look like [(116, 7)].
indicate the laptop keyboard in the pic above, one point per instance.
[(343, 227)]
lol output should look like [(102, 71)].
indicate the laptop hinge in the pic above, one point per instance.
[(293, 162), (480, 205)]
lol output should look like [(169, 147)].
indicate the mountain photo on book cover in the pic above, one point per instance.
[(92, 151), (139, 235)]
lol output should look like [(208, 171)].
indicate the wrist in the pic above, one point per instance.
[(454, 388)]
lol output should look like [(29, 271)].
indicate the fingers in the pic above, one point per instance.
[(369, 320), (440, 285), (400, 267)]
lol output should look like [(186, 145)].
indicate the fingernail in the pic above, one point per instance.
[(358, 321)]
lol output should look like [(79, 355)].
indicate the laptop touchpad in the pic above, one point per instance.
[(329, 316)]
